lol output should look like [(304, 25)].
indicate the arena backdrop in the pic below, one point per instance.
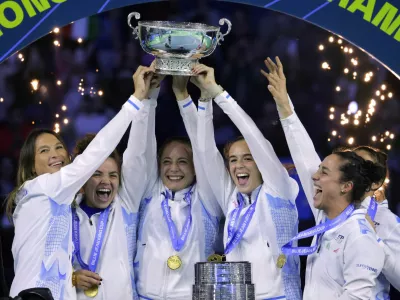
[(372, 25)]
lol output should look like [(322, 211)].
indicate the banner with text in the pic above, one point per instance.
[(372, 25)]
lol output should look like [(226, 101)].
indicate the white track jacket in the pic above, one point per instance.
[(275, 220)]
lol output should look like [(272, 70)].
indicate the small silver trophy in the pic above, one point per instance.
[(223, 281), (177, 47)]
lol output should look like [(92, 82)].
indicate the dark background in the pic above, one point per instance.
[(103, 64)]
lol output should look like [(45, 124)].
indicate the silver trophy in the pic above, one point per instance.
[(177, 47), (223, 281)]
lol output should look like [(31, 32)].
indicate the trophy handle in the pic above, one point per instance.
[(220, 35), (135, 29)]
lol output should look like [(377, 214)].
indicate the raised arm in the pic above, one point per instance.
[(140, 157), (209, 156), (60, 185), (189, 115), (273, 173), (300, 144)]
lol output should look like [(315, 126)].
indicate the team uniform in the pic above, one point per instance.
[(195, 205), (387, 226), (115, 264), (348, 259), (271, 207), (42, 246)]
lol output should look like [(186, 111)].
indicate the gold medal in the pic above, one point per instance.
[(92, 292), (215, 258), (281, 261), (174, 262)]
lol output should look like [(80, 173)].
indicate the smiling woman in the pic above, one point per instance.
[(256, 194), (335, 189), (102, 187), (37, 158), (46, 187), (176, 163)]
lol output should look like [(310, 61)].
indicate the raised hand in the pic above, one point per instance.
[(86, 279), (205, 81), (141, 81), (179, 86), (277, 85), (157, 78)]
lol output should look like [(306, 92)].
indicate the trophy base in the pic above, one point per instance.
[(175, 66)]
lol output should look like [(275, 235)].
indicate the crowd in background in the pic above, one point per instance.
[(92, 78)]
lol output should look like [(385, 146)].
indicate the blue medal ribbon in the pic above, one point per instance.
[(177, 243), (97, 243), (235, 232), (372, 208), (318, 230)]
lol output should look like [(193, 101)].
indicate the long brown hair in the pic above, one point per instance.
[(26, 164)]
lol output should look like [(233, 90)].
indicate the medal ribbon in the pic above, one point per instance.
[(97, 243), (177, 243), (372, 208), (318, 231), (235, 232)]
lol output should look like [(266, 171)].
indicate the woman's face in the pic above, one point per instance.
[(327, 183), (50, 154), (101, 189), (242, 168), (176, 166)]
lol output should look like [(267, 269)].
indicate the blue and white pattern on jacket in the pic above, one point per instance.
[(130, 224), (284, 216), (52, 274), (210, 230)]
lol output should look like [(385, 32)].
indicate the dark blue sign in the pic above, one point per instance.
[(372, 25)]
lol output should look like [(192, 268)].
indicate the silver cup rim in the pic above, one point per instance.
[(186, 26)]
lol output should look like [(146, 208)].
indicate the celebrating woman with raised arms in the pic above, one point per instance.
[(47, 184), (255, 193), (107, 211), (345, 258), (179, 216)]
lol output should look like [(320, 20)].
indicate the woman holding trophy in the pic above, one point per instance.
[(377, 209), (179, 216), (47, 184), (256, 194), (345, 258), (107, 210)]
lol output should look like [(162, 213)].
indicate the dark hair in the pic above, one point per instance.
[(26, 164), (359, 171), (84, 142), (378, 157), (229, 144), (176, 139)]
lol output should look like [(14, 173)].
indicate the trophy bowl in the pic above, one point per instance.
[(177, 46)]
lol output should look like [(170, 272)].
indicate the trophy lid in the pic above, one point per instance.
[(170, 25)]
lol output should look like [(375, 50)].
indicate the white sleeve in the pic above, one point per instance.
[(139, 158), (151, 150), (274, 174), (303, 154), (363, 262), (189, 115), (211, 159), (60, 185), (391, 269)]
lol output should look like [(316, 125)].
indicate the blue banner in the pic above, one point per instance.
[(372, 25)]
